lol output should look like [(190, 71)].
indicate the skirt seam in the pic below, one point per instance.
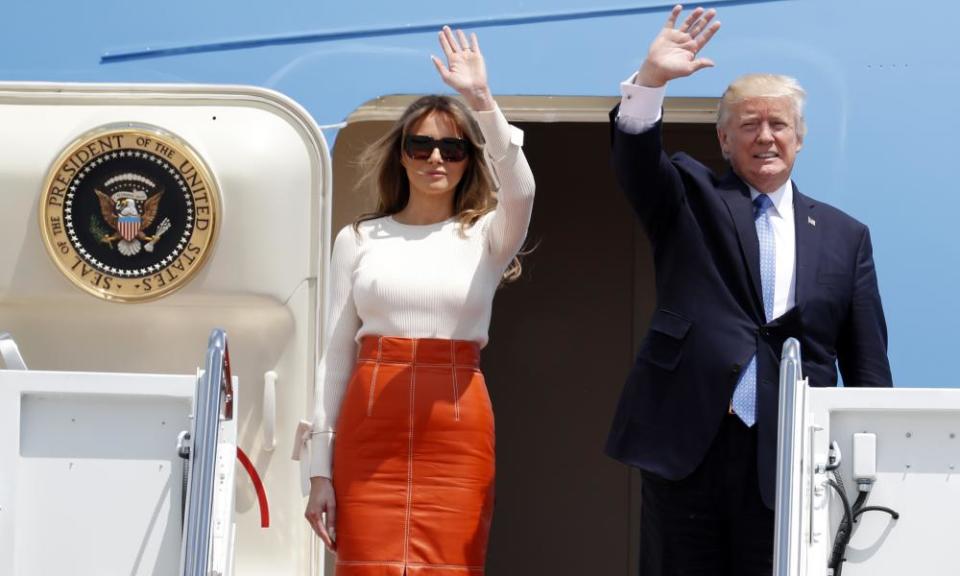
[(456, 390), (421, 364), (412, 416), (411, 564), (373, 378)]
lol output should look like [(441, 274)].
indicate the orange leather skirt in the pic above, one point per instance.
[(413, 461)]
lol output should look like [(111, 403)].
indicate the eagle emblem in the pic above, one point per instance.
[(129, 207), (129, 212)]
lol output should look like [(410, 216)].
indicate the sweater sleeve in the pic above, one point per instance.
[(340, 350), (507, 227)]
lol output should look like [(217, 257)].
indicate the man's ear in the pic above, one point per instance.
[(722, 140)]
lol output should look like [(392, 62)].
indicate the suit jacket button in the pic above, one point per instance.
[(735, 370)]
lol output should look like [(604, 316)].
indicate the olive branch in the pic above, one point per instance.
[(96, 229)]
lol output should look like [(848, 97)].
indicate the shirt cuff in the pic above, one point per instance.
[(640, 106), (321, 454), (498, 133)]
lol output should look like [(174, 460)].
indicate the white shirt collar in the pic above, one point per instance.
[(782, 198)]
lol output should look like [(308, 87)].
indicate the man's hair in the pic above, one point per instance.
[(764, 86)]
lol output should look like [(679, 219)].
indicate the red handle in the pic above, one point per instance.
[(258, 486)]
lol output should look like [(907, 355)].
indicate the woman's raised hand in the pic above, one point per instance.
[(465, 70)]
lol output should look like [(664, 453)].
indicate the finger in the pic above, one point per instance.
[(322, 532), (702, 23), (450, 39), (317, 525), (445, 44), (440, 67), (332, 523), (707, 35), (463, 39), (672, 18), (474, 42), (691, 19)]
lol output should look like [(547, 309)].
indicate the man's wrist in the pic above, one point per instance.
[(649, 77)]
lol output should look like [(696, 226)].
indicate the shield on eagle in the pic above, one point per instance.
[(129, 227)]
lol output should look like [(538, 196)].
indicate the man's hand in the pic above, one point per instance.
[(673, 53), (321, 511)]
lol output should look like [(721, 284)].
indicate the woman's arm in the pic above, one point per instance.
[(333, 374), (340, 350), (466, 73), (508, 225)]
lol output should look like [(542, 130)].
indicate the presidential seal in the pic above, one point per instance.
[(129, 213)]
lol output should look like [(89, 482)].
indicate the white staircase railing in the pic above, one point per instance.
[(213, 402)]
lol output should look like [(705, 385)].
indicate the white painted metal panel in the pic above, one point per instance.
[(262, 284), (92, 480), (917, 464), (263, 150)]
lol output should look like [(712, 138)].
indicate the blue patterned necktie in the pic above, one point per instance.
[(745, 396)]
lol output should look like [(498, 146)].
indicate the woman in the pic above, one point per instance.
[(407, 487)]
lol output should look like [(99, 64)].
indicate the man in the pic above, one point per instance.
[(743, 262)]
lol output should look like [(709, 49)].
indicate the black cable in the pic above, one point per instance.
[(843, 531), (848, 529), (183, 492), (861, 500), (183, 450), (893, 513), (851, 513), (839, 480), (834, 456)]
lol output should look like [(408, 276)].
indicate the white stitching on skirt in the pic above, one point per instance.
[(456, 389), (420, 364), (373, 379), (412, 564), (406, 521)]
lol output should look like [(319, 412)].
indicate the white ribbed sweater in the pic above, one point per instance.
[(432, 281)]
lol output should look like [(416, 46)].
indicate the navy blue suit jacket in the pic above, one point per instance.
[(709, 317)]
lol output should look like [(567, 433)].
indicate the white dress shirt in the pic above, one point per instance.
[(640, 108)]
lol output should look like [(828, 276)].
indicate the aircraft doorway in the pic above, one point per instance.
[(563, 336)]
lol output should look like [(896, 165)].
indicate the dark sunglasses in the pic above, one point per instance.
[(421, 148)]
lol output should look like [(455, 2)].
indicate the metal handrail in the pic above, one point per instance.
[(791, 373), (213, 401), (12, 360)]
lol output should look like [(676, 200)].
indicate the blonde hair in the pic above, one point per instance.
[(764, 86), (382, 169)]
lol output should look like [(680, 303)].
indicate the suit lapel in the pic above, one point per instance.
[(736, 195), (808, 243)]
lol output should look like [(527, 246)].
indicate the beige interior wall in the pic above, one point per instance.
[(348, 201), (561, 343)]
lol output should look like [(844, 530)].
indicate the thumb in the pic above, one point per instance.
[(701, 63)]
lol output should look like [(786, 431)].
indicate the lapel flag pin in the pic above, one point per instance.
[(811, 221)]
